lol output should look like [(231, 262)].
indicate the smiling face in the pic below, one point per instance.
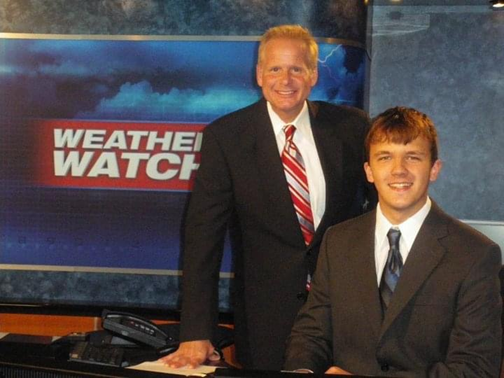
[(285, 77), (401, 174)]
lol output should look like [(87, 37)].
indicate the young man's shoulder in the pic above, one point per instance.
[(470, 238), (355, 226)]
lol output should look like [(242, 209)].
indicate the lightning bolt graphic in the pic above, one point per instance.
[(323, 62)]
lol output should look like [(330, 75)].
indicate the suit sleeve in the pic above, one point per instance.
[(476, 338), (366, 197), (309, 345), (210, 207), (367, 191)]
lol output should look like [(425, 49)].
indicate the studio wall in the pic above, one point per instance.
[(445, 59)]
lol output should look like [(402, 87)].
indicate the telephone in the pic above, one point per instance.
[(126, 340), (137, 329)]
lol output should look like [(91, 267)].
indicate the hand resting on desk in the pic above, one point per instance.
[(337, 370), (191, 354), (331, 370)]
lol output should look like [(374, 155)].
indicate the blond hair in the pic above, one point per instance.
[(296, 32)]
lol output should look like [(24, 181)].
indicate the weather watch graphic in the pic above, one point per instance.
[(100, 141)]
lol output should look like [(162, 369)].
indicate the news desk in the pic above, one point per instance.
[(25, 356)]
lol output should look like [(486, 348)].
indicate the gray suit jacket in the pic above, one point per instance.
[(241, 183), (443, 320)]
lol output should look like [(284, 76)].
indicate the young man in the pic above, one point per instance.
[(249, 178), (405, 290)]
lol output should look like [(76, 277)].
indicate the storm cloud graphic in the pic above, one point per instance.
[(166, 81)]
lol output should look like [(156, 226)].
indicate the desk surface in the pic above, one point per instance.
[(39, 356)]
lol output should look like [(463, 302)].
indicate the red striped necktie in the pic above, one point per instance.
[(295, 174)]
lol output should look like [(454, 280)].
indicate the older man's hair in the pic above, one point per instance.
[(296, 32), (402, 125)]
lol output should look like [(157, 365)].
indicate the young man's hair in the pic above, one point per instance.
[(402, 125), (296, 32)]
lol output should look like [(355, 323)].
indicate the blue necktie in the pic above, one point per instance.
[(392, 269)]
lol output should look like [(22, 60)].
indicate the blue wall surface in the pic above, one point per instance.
[(325, 18), (446, 61)]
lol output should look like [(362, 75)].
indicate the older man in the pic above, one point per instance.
[(278, 172)]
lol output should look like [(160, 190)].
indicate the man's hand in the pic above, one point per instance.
[(191, 354), (337, 370)]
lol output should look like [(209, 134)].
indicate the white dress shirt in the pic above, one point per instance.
[(409, 230), (303, 138)]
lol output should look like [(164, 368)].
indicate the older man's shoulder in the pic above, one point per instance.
[(239, 119), (334, 110)]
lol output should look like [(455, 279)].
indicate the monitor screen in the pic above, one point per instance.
[(99, 145)]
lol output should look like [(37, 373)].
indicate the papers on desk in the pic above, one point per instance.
[(159, 367)]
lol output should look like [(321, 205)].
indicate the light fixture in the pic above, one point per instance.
[(497, 4)]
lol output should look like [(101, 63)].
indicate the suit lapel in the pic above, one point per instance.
[(270, 168), (425, 255), (364, 268), (329, 150), (272, 174)]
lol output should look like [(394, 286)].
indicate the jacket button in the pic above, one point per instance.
[(385, 367), (301, 296)]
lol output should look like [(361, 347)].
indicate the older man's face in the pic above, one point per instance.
[(284, 76)]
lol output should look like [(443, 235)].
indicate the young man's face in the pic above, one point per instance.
[(284, 76), (401, 174)]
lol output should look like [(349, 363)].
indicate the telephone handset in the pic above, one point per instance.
[(123, 340), (137, 329)]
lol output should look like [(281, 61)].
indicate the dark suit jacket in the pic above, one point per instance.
[(241, 178), (443, 319)]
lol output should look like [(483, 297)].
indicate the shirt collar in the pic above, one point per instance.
[(302, 121), (409, 228)]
